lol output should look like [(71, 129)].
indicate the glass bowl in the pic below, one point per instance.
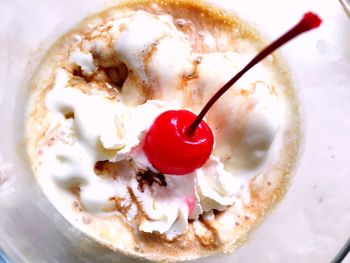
[(312, 222)]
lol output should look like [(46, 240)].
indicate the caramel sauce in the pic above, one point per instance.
[(148, 177)]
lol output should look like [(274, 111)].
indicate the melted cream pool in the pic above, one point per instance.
[(99, 90)]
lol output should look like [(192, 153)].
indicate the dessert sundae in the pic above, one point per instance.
[(101, 139)]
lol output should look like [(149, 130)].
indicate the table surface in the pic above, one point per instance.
[(313, 222)]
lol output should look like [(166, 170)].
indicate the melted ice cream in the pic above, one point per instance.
[(245, 122)]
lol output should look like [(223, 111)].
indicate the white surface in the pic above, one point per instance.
[(311, 223)]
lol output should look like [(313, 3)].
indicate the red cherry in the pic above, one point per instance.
[(179, 142), (171, 149)]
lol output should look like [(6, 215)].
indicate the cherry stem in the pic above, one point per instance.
[(308, 22)]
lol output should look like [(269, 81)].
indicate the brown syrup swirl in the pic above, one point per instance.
[(148, 177)]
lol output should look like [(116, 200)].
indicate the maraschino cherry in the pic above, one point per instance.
[(179, 142), (169, 147)]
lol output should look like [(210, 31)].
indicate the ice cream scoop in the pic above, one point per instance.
[(175, 145)]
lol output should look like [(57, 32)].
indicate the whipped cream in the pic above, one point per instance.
[(245, 122), (84, 60), (246, 118), (156, 52)]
